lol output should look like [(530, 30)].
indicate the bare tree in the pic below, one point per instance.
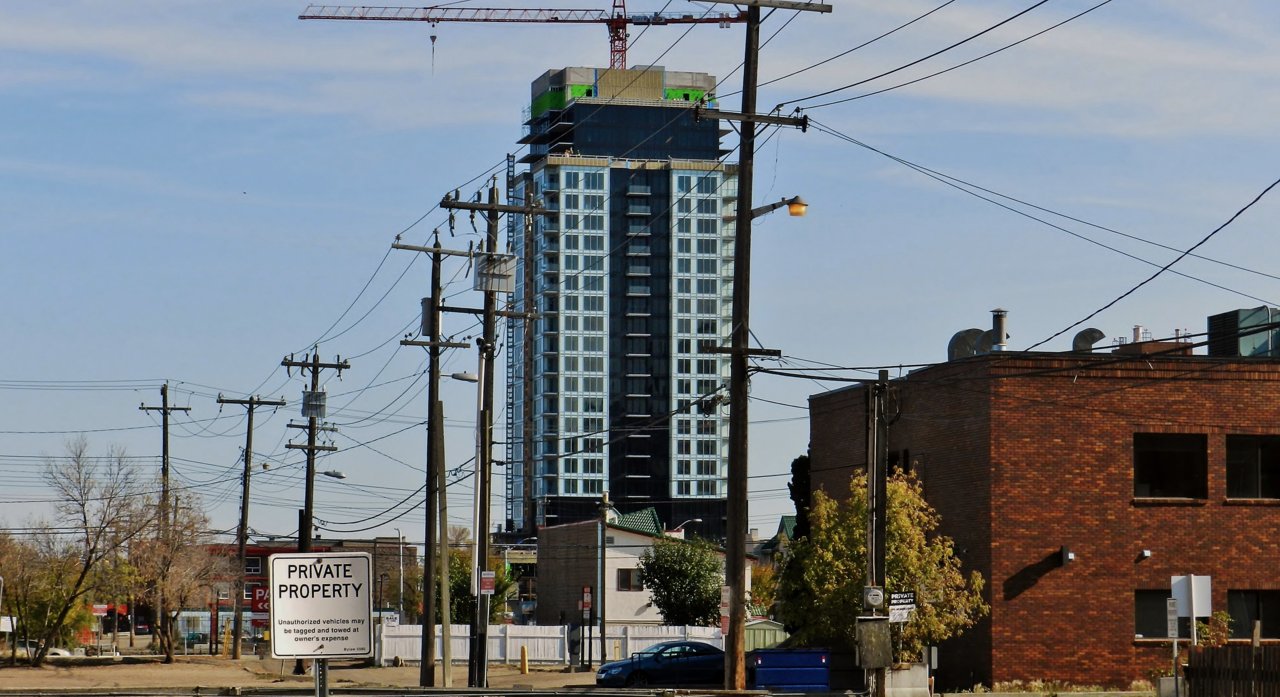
[(97, 506), (177, 565)]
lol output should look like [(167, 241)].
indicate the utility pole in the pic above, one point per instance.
[(436, 506), (242, 533), (166, 524), (736, 525), (313, 407), (490, 277), (877, 496)]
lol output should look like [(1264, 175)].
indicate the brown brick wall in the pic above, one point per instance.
[(1042, 458), (567, 560)]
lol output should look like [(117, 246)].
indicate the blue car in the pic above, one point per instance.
[(671, 663)]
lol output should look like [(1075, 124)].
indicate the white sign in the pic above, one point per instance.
[(321, 605), (899, 614), (1193, 594), (1171, 618)]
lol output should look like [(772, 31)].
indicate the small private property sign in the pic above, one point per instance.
[(321, 605)]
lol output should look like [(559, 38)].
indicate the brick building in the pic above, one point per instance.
[(1144, 463)]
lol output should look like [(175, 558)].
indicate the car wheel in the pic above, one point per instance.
[(637, 680)]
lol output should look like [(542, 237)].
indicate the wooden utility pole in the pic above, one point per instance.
[(313, 407), (736, 508), (435, 484), (165, 521), (490, 280), (242, 532), (877, 496)]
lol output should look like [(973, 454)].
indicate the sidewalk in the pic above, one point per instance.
[(213, 672)]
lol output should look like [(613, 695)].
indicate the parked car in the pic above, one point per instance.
[(673, 663), (142, 628), (194, 638)]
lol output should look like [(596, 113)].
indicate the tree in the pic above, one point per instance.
[(824, 574), (800, 491), (684, 577), (54, 574), (177, 567), (764, 589), (462, 602)]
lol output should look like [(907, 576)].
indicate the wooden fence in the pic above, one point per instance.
[(1234, 671)]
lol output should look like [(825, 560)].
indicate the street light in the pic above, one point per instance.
[(382, 579), (400, 597), (680, 527), (477, 662), (335, 474), (796, 208)]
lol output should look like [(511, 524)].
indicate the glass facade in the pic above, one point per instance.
[(629, 280)]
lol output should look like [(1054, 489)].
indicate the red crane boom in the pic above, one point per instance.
[(615, 21)]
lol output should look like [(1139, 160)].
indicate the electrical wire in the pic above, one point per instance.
[(1166, 267), (914, 62)]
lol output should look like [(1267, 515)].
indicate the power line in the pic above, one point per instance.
[(914, 62), (1166, 267)]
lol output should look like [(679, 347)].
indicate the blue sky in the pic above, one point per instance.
[(190, 191)]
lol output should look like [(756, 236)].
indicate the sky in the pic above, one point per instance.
[(191, 191)]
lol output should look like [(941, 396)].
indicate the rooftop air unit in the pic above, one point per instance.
[(1251, 333)]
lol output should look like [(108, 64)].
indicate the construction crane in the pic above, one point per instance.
[(616, 21)]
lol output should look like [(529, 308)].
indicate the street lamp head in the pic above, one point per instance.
[(335, 474), (680, 527), (796, 207), (465, 377)]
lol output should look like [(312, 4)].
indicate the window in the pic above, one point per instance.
[(1150, 613), (253, 565), (593, 180), (707, 246), (684, 246), (683, 488), (593, 222), (629, 580), (1170, 465), (684, 205), (1253, 467), (683, 285), (248, 589), (570, 486), (707, 185), (1247, 607), (570, 201), (706, 226), (593, 202), (706, 266), (592, 486), (683, 468), (593, 303), (683, 183), (708, 206), (570, 180), (707, 286)]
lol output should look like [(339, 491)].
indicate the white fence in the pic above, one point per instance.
[(546, 645)]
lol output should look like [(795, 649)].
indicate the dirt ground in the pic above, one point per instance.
[(213, 672)]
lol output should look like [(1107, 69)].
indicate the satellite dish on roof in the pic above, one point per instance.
[(1086, 338), (963, 343)]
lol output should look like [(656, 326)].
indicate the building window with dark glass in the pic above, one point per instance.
[(629, 580), (1170, 465), (1150, 616), (1253, 467), (1249, 607), (253, 565)]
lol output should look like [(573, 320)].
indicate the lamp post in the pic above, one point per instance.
[(477, 663), (382, 580), (400, 596)]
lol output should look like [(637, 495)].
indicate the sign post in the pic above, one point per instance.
[(321, 607), (1171, 630)]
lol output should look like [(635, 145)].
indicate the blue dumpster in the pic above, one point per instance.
[(791, 670)]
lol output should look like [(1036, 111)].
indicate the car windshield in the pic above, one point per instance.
[(652, 649)]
